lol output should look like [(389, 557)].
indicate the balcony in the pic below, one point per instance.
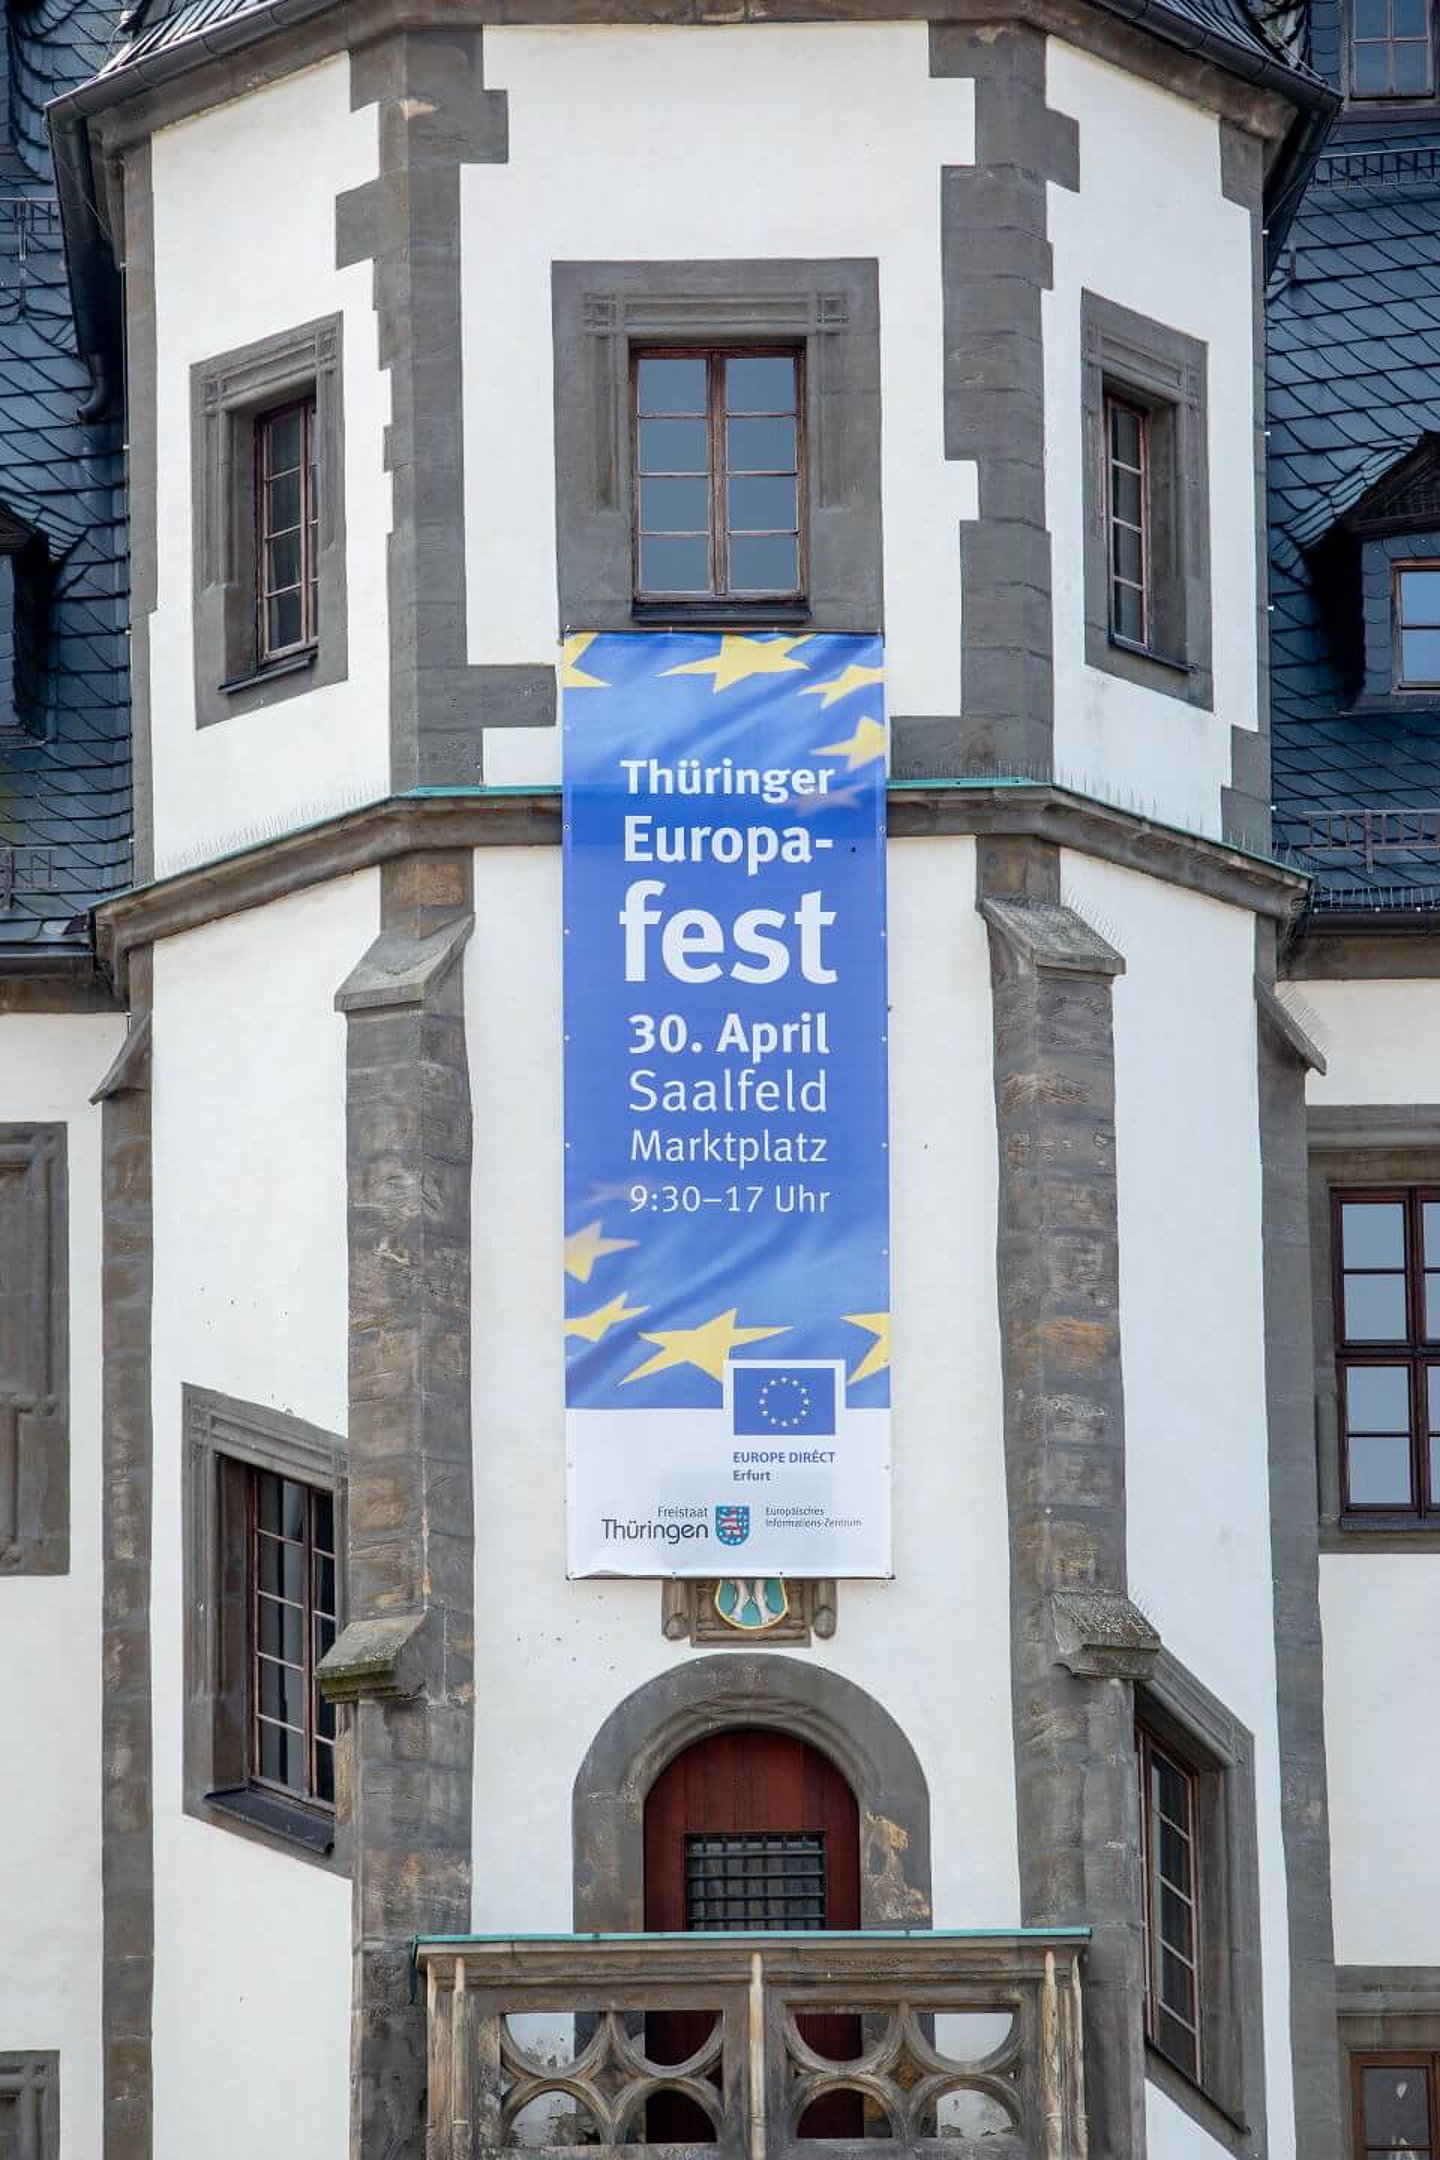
[(963, 2044)]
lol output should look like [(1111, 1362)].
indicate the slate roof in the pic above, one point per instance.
[(64, 780), (1354, 386)]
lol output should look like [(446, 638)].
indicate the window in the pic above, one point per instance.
[(1127, 429), (1386, 1258), (1415, 606), (264, 1596), (287, 531), (718, 475), (1168, 1820), (1395, 2102), (717, 443), (756, 1880), (290, 1591), (34, 1335), (1200, 1886), (1391, 49), (1147, 519), (269, 522), (30, 2106)]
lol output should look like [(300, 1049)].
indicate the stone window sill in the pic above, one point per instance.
[(1203, 2109), (254, 1807), (1148, 652), (291, 664)]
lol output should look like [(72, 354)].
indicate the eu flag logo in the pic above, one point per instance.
[(783, 1401)]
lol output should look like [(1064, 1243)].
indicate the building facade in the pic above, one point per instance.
[(428, 327)]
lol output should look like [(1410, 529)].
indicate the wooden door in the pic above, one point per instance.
[(745, 1830)]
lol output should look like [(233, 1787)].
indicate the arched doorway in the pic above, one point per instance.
[(751, 1828)]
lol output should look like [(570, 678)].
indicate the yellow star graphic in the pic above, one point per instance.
[(740, 657), (592, 1325), (707, 1346), (572, 675), (863, 747), (584, 1247), (877, 1357), (845, 684)]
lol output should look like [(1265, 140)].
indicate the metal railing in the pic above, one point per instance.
[(1366, 835), (965, 2044)]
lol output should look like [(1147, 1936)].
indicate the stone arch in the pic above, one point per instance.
[(705, 1695)]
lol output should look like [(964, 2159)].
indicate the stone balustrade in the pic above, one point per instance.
[(968, 2043)]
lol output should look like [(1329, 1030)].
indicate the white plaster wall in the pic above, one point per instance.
[(1192, 1320), (252, 1947), (1150, 229), (618, 137), (1381, 1040), (1380, 1613), (245, 249), (1171, 2134), (50, 1632), (933, 1645)]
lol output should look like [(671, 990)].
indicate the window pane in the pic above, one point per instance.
[(1125, 434), (1126, 559), (325, 1582), (282, 1756), (1174, 1854), (1177, 1986), (1176, 1922), (282, 567), (672, 386), (1177, 2043), (1125, 494), (1375, 1308), (1377, 1398), (1410, 68), (325, 1774), (767, 565), (282, 1505), (762, 384), (1419, 599), (1397, 2106), (283, 442), (1128, 613), (323, 1517), (284, 502), (1369, 18), (284, 618), (1410, 18), (761, 505), (1369, 73), (281, 1567), (1420, 656), (761, 445), (281, 1629), (678, 566), (282, 1692), (679, 446), (1373, 1232), (675, 506), (1172, 1790), (1379, 1472)]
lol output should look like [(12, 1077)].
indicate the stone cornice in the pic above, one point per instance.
[(362, 839), (242, 52)]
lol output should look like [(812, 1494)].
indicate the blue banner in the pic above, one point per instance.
[(726, 1167)]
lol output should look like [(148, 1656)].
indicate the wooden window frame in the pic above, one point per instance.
[(1120, 401), (1392, 2059), (1148, 1745), (1392, 98), (1398, 677), (255, 1717), (266, 423), (1416, 1351), (682, 606)]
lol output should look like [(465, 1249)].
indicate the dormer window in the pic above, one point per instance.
[(1391, 49), (1415, 604)]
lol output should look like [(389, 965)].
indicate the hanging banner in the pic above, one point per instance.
[(726, 1170)]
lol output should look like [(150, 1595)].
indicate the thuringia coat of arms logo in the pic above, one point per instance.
[(732, 1525)]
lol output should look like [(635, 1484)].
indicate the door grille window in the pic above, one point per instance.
[(755, 1881)]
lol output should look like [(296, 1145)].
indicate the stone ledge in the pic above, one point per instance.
[(1101, 1636), (374, 1660), (1051, 936), (399, 971)]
